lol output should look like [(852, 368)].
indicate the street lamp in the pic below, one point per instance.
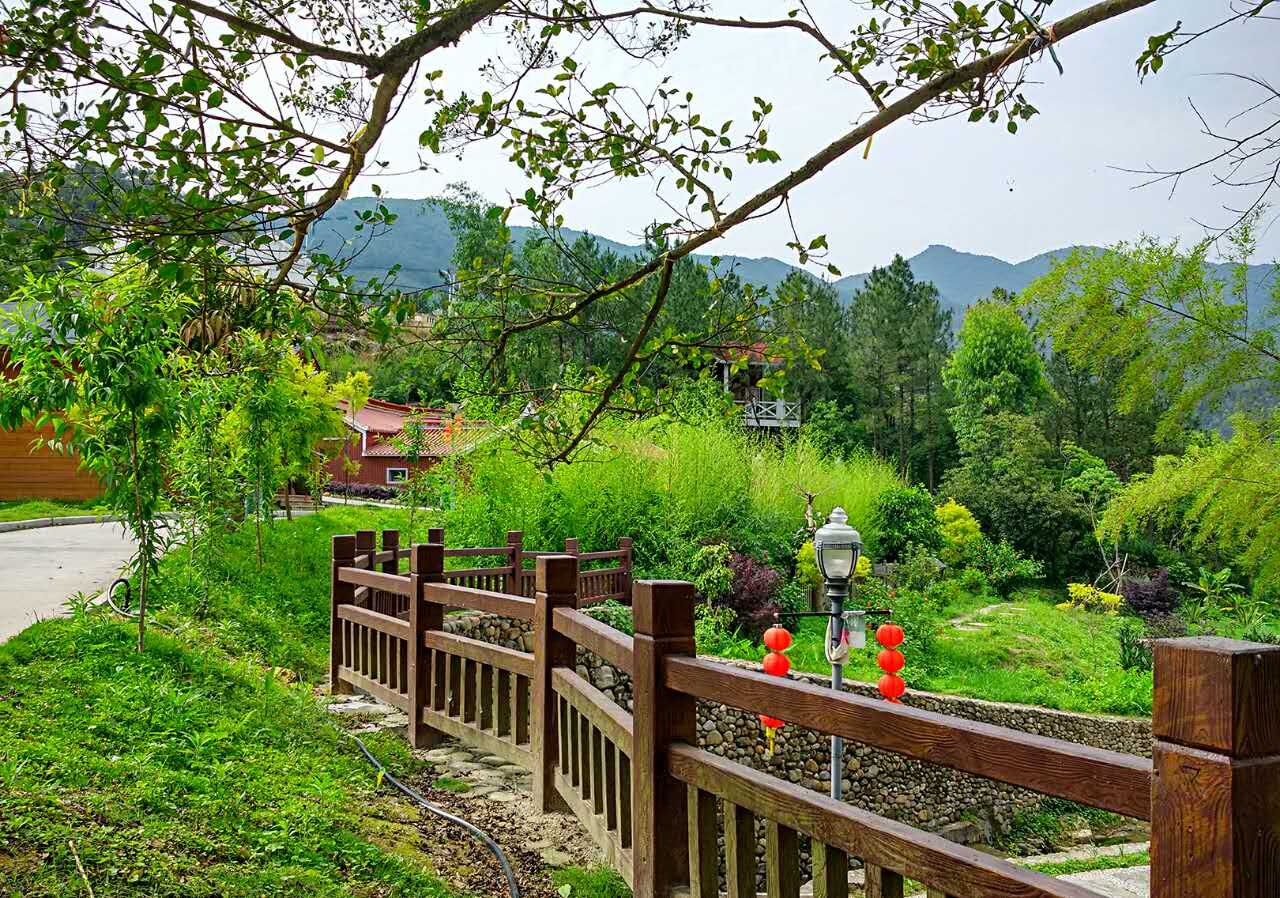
[(837, 547)]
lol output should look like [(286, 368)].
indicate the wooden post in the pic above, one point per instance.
[(1215, 795), (555, 586), (390, 543), (627, 566), (663, 612), (435, 535), (366, 544), (426, 565), (515, 547), (344, 550)]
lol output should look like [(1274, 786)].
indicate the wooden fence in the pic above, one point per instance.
[(657, 804)]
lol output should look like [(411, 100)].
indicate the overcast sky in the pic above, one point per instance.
[(974, 187)]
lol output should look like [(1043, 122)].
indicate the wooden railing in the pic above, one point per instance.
[(658, 805)]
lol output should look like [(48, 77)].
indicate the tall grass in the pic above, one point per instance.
[(668, 485)]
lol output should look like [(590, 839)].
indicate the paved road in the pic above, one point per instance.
[(40, 568)]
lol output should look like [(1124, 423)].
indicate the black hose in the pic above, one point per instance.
[(413, 795)]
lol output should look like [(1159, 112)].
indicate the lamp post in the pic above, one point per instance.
[(837, 547)]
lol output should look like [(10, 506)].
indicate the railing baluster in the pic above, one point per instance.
[(575, 755), (882, 883), (504, 700), (470, 685), (610, 786), (597, 770), (739, 851), (830, 871), (782, 861), (625, 820), (486, 697), (523, 719), (704, 848)]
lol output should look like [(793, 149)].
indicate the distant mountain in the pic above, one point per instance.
[(421, 243)]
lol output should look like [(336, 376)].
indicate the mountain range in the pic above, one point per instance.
[(421, 242)]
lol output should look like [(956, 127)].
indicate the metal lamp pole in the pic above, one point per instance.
[(837, 547)]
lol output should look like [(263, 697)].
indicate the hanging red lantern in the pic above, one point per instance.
[(777, 639), (776, 664), (771, 723), (890, 635), (892, 687), (891, 660)]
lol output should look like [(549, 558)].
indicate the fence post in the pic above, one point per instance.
[(390, 543), (344, 550), (555, 586), (426, 565), (366, 544), (435, 535), (627, 563), (663, 613), (1215, 795), (515, 547)]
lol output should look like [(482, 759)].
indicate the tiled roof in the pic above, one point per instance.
[(447, 440), (379, 416)]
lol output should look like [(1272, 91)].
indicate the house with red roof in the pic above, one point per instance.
[(374, 436)]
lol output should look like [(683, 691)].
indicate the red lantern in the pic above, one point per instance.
[(892, 687), (777, 639), (771, 723), (890, 635), (891, 660), (776, 664)]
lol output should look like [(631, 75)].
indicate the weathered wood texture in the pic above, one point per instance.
[(1216, 793), (1104, 779), (557, 580), (663, 612)]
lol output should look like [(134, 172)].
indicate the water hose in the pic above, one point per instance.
[(479, 834)]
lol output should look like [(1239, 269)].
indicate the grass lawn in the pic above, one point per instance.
[(203, 767), (1024, 650), (27, 509)]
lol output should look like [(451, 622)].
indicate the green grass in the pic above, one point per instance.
[(198, 768), (451, 784), (595, 882), (1035, 655), (1105, 862), (29, 509)]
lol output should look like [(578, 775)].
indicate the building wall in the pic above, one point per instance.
[(42, 474), (374, 470)]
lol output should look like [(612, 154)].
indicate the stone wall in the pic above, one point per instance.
[(959, 805)]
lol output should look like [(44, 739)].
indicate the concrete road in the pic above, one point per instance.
[(40, 568)]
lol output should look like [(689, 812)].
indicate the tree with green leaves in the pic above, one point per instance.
[(995, 369), (898, 339), (216, 137), (1204, 347), (95, 357)]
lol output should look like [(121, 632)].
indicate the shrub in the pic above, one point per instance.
[(1086, 597), (613, 613), (1002, 566), (794, 596), (1135, 650), (710, 573), (918, 568), (1150, 595), (754, 593), (973, 580), (915, 612), (904, 516), (375, 491), (960, 532), (807, 566)]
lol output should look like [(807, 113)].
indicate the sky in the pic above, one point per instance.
[(1058, 182)]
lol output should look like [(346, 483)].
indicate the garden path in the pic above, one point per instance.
[(487, 791), (970, 623), (43, 567)]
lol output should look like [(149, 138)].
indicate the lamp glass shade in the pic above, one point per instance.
[(855, 625), (837, 547)]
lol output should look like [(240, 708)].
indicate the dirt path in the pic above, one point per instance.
[(484, 790)]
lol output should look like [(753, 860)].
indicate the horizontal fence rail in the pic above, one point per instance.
[(674, 819), (1109, 780)]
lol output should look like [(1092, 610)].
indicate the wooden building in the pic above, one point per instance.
[(373, 433)]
